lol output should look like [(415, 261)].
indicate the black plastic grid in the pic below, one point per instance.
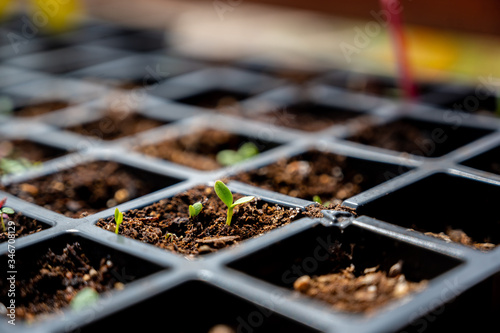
[(234, 285)]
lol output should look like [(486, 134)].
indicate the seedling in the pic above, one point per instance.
[(317, 199), (169, 237), (118, 219), (195, 209), (227, 197), (229, 157), (13, 165), (85, 297), (4, 212)]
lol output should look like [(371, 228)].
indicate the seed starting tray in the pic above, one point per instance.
[(248, 286)]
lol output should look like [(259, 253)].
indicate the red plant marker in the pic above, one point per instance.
[(393, 8)]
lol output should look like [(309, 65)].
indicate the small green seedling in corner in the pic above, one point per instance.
[(118, 219), (84, 298), (195, 209), (227, 197), (4, 212)]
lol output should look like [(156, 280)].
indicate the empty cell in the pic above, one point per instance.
[(89, 188), (331, 177), (212, 307), (214, 99), (306, 116), (462, 98), (479, 304), (444, 206), (50, 274), (352, 269), (115, 125), (371, 84), (417, 137), (488, 161)]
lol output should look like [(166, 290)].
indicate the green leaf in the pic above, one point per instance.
[(118, 216), (195, 209), (84, 298), (118, 219), (227, 157), (317, 199), (223, 193), (7, 210), (243, 200), (247, 150)]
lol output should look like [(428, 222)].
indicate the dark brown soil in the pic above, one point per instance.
[(398, 136), (305, 116), (458, 236), (86, 189), (40, 108), (116, 125), (364, 293), (56, 279), (197, 150), (167, 224), (23, 226), (314, 173), (214, 99)]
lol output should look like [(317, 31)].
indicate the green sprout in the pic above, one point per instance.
[(228, 157), (227, 197), (85, 297), (195, 209), (118, 219), (169, 236), (13, 165), (4, 213), (318, 200)]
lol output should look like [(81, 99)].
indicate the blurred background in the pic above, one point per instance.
[(445, 40)]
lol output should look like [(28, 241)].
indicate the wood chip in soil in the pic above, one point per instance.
[(365, 293), (460, 237)]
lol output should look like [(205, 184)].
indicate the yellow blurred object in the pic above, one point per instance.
[(50, 15), (59, 14), (4, 4)]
